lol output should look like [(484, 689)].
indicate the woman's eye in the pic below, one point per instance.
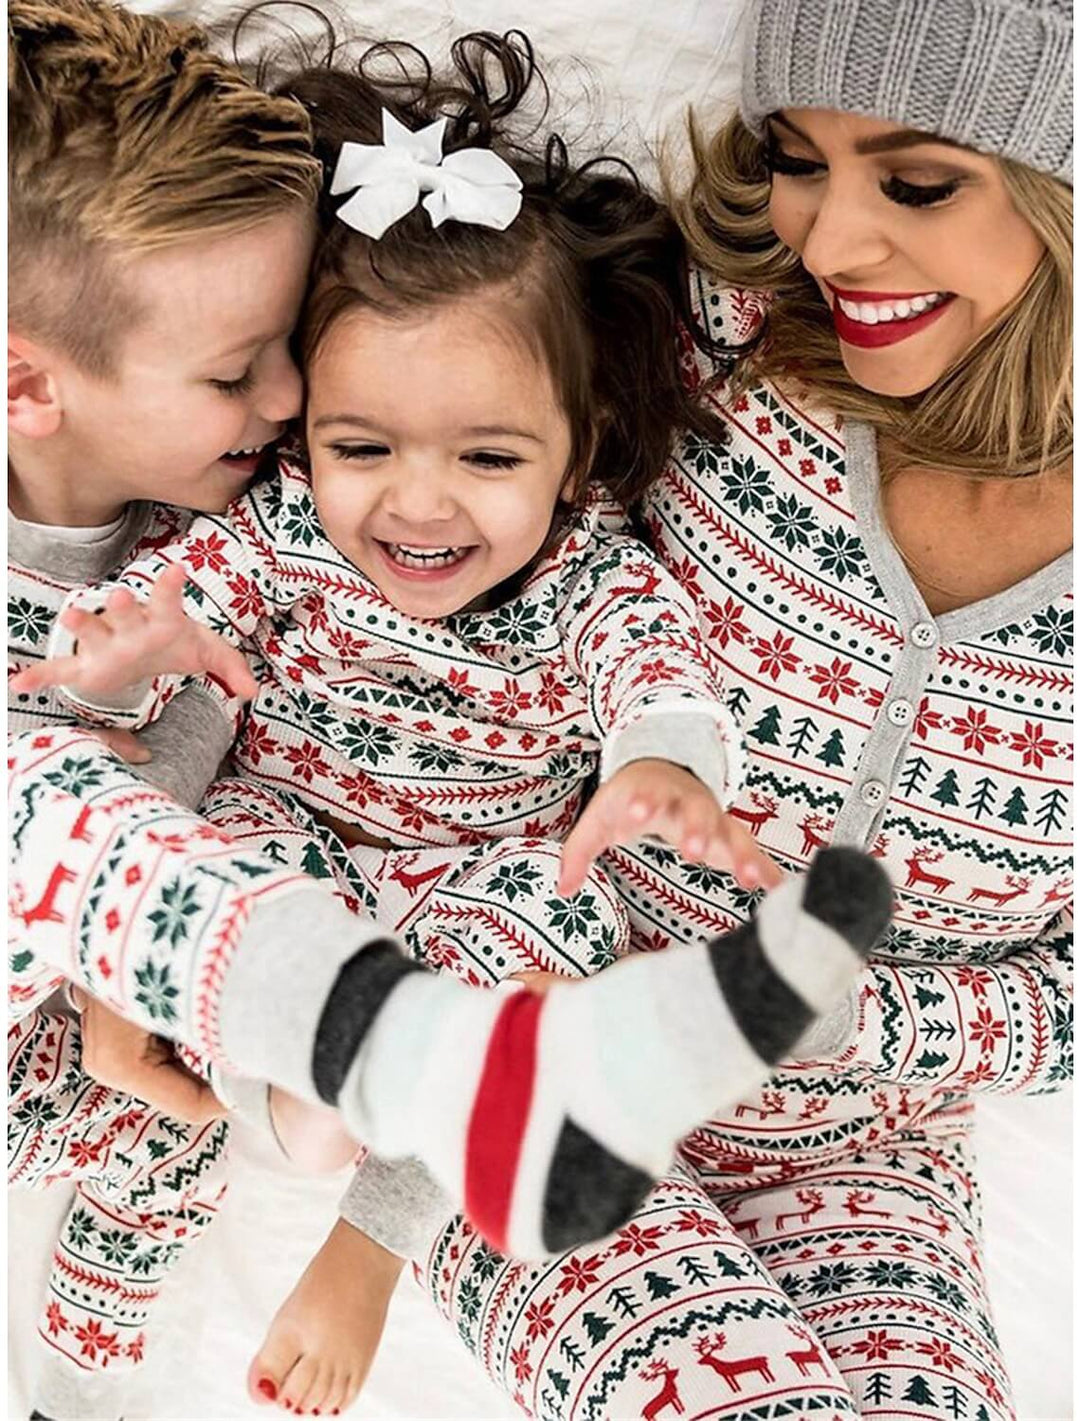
[(918, 194), (484, 459), (359, 451), (235, 387), (789, 166)]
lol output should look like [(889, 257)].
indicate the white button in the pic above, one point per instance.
[(923, 634), (873, 793), (901, 712)]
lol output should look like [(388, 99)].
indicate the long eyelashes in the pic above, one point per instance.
[(894, 188), (235, 387), (482, 459)]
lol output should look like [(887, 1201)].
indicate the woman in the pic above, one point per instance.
[(881, 553)]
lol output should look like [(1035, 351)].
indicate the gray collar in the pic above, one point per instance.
[(32, 547), (977, 618)]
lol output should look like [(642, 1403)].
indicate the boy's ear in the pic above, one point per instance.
[(34, 407)]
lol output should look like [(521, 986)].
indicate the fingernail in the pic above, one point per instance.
[(268, 1389)]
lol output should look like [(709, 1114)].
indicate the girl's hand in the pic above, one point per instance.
[(124, 1057), (656, 797), (130, 642)]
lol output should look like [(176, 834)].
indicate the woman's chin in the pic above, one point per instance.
[(876, 373)]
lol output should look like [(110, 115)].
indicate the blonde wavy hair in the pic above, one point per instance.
[(1002, 410)]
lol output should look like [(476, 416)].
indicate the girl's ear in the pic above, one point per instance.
[(34, 407), (579, 475)]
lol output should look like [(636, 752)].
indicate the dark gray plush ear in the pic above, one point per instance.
[(851, 892)]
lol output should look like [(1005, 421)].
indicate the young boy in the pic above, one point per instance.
[(530, 1116)]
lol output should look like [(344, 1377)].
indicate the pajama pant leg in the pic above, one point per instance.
[(672, 1317), (147, 1187), (882, 1254)]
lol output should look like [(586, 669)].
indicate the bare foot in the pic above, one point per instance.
[(323, 1339), (311, 1135)]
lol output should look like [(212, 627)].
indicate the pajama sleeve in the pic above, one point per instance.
[(631, 634), (1004, 1026), (229, 560)]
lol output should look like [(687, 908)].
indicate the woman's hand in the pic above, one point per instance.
[(124, 1057), (657, 797), (129, 642)]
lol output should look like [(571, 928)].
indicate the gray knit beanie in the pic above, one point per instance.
[(995, 75)]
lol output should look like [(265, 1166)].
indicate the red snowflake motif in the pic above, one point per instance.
[(307, 761), (511, 700), (459, 681), (634, 1239), (82, 1152), (95, 1341), (776, 655), (347, 644), (978, 1075), (39, 742), (834, 680), (315, 610), (941, 1354), (783, 446), (977, 733), (552, 693), (257, 742), (763, 424), (246, 600), (685, 574), (539, 1317), (133, 875), (495, 740), (459, 732), (651, 672), (356, 789), (439, 952), (990, 1388), (877, 1345), (725, 623), (807, 468), (520, 1359), (112, 920), (1033, 744), (136, 1348), (57, 1321), (207, 552), (691, 1221), (579, 1274), (987, 1029), (975, 978), (741, 405), (927, 719), (832, 484)]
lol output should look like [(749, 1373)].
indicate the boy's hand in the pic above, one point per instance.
[(125, 1057), (130, 641), (657, 797)]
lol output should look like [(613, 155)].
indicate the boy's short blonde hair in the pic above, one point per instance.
[(126, 135)]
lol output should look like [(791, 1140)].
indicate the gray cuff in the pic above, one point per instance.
[(698, 740), (398, 1204), (248, 1100), (188, 744), (826, 1037)]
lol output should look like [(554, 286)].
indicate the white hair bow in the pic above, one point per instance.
[(472, 185)]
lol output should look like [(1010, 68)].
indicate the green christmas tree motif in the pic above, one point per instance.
[(982, 800), (919, 1391), (694, 1269), (274, 849), (597, 1327), (729, 1268), (1016, 810), (20, 961), (832, 752), (946, 790), (767, 730), (624, 1302), (927, 997), (560, 1383), (1051, 815), (931, 1061), (954, 1399), (912, 775), (803, 731), (660, 1285), (878, 1387), (314, 863), (737, 700), (574, 1354)]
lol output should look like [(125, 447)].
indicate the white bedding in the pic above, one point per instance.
[(625, 69)]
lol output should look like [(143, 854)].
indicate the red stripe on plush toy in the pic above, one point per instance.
[(500, 1116)]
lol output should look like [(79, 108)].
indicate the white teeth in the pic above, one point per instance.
[(424, 557), (873, 313), (244, 453)]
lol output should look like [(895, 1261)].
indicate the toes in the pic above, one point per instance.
[(273, 1362), (298, 1384)]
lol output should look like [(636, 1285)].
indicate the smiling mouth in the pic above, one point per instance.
[(884, 320), (423, 559), (244, 456), (874, 313)]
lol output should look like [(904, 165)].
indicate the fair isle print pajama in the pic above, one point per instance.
[(147, 1187)]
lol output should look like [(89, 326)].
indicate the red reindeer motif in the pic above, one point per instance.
[(880, 847), (645, 588), (938, 1222), (1060, 893), (412, 881), (917, 873), (812, 1200), (668, 1395), (856, 1201), (45, 910), (815, 829), (766, 810), (808, 1356), (709, 1349), (1017, 883), (772, 1103)]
